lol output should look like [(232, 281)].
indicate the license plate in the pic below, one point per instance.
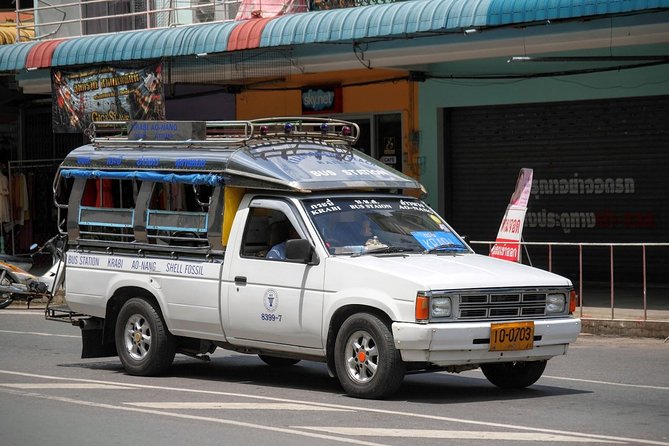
[(511, 336)]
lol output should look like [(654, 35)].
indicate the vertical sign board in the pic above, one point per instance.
[(507, 244)]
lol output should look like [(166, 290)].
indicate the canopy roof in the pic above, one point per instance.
[(384, 21)]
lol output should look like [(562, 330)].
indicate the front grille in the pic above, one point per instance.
[(502, 305)]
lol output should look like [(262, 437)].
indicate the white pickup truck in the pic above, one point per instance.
[(276, 238)]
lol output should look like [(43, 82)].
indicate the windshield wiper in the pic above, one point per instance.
[(383, 250), (445, 247)]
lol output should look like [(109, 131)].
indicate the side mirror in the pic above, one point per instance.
[(300, 250), (34, 247)]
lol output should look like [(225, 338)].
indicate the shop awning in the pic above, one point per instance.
[(411, 18), (145, 44), (13, 57), (392, 20)]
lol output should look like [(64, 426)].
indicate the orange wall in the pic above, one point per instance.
[(397, 96)]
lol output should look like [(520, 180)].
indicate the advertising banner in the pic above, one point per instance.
[(106, 94), (321, 100), (507, 244)]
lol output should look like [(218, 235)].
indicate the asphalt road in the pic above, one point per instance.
[(605, 391)]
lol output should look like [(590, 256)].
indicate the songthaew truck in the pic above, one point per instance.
[(275, 237)]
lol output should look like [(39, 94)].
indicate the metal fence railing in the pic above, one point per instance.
[(633, 268)]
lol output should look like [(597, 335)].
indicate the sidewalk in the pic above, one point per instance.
[(627, 317)]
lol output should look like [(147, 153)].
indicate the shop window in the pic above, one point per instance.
[(381, 138)]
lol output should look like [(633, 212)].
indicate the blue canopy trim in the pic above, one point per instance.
[(194, 178)]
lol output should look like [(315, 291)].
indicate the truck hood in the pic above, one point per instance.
[(447, 271)]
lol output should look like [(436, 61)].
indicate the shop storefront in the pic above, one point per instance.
[(598, 149)]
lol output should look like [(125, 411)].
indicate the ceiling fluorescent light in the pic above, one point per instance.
[(589, 59)]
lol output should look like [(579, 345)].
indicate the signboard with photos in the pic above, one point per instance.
[(106, 94)]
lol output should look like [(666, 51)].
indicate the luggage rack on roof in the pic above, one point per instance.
[(124, 134)]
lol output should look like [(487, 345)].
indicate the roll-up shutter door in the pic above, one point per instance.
[(601, 174)]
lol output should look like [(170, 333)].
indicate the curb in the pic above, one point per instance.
[(626, 328)]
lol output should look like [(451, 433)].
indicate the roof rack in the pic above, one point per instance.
[(326, 129), (183, 134)]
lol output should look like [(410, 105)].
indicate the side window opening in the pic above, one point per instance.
[(177, 214), (107, 209), (265, 234)]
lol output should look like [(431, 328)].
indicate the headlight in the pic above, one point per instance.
[(555, 303), (440, 307)]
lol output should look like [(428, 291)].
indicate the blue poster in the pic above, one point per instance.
[(436, 239)]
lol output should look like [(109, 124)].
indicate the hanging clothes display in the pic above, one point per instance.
[(31, 218), (5, 214)]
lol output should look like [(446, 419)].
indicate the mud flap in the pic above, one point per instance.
[(93, 341)]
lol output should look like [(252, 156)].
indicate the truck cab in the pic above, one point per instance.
[(275, 237)]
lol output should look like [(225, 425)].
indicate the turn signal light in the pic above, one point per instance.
[(422, 308), (572, 301)]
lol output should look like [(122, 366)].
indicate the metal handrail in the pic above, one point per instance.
[(580, 246), (168, 13)]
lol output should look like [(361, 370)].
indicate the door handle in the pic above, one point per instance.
[(240, 280)]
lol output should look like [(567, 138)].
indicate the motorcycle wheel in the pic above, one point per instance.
[(5, 298)]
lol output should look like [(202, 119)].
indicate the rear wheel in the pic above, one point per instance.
[(144, 344), (276, 361), (514, 375), (5, 298), (366, 361)]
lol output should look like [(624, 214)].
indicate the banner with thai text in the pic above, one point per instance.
[(106, 94), (507, 245)]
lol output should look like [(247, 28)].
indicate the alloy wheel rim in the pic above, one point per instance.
[(361, 356), (138, 337)]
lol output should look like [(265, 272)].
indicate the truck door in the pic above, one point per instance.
[(271, 299)]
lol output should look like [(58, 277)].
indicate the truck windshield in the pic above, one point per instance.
[(355, 226)]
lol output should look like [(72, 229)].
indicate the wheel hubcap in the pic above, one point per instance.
[(138, 337), (362, 357)]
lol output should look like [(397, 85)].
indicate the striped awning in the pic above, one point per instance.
[(393, 20)]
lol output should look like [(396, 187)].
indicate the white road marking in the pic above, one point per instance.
[(36, 333), (451, 434), (355, 408), (65, 386), (234, 406), (126, 409), (608, 383)]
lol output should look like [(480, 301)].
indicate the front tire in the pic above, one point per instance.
[(514, 375), (366, 361), (6, 298), (144, 344)]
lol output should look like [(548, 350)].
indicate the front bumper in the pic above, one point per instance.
[(462, 343)]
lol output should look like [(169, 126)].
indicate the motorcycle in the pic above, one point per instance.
[(29, 277)]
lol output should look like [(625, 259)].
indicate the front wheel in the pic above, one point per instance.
[(5, 298), (514, 375), (144, 344), (366, 361)]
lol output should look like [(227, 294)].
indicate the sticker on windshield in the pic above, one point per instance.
[(437, 239), (414, 205), (323, 207)]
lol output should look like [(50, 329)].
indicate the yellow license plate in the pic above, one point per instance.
[(509, 336)]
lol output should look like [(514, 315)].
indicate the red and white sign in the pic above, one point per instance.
[(507, 244)]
